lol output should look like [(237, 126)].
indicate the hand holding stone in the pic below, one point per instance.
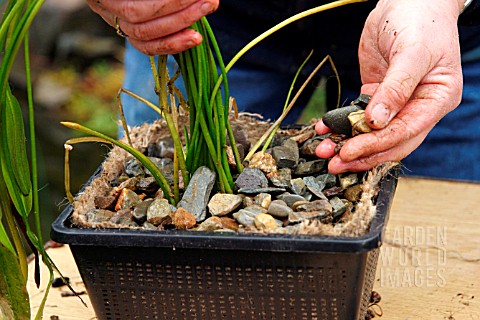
[(410, 63)]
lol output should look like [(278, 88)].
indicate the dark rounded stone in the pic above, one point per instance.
[(337, 119), (254, 191)]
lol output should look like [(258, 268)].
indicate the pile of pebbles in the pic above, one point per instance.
[(277, 190)]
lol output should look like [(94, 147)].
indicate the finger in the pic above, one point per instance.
[(397, 153), (417, 117), (97, 7), (144, 10), (406, 70), (321, 128), (167, 25), (326, 149), (172, 44)]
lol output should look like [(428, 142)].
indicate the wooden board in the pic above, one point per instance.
[(429, 266)]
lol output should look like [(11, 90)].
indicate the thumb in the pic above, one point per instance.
[(403, 75)]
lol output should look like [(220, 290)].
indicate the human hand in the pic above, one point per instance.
[(156, 26), (410, 63)]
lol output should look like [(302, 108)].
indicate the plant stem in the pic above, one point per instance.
[(137, 154), (285, 112), (33, 147)]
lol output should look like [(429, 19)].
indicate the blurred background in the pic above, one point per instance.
[(76, 71)]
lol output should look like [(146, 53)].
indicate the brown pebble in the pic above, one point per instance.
[(229, 223), (301, 138), (353, 193), (265, 222), (104, 202), (182, 219), (333, 191)]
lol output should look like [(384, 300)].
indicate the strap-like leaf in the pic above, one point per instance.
[(14, 302), (13, 158), (14, 142)]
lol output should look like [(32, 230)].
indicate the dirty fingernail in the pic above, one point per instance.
[(380, 115), (206, 8)]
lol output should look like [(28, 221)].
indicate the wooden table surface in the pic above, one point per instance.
[(429, 266)]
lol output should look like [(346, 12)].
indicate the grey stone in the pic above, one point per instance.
[(165, 165), (338, 207), (255, 209), (279, 208), (297, 186), (123, 217), (153, 150), (198, 191), (240, 136), (134, 168), (292, 145), (147, 185), (328, 179), (251, 178), (290, 199), (140, 210), (310, 167), (284, 157), (166, 148), (244, 217), (315, 187), (99, 215)]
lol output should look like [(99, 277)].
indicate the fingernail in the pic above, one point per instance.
[(380, 115), (206, 8)]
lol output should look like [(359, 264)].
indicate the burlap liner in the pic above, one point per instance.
[(357, 224)]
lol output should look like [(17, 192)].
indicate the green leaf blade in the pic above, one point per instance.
[(14, 302), (14, 145)]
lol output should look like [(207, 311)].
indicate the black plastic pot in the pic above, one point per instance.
[(136, 274)]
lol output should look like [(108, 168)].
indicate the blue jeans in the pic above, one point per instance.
[(451, 150)]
